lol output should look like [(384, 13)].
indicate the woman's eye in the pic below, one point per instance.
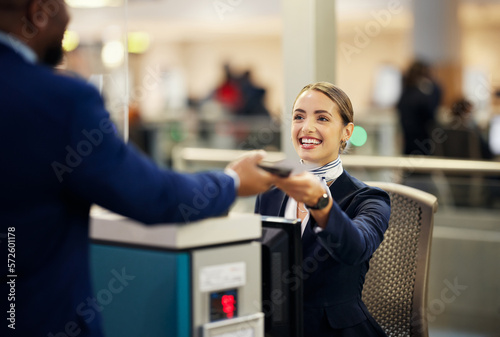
[(296, 117), (323, 119)]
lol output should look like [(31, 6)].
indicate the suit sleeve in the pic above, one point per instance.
[(101, 168), (353, 239)]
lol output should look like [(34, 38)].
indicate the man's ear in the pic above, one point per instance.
[(30, 21), (36, 15)]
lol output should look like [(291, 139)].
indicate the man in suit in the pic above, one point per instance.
[(60, 154)]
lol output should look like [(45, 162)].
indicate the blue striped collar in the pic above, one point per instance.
[(330, 171)]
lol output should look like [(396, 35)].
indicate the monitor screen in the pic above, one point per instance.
[(281, 291)]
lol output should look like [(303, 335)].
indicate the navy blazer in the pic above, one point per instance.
[(335, 260), (59, 154)]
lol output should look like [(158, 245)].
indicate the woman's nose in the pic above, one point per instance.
[(309, 125)]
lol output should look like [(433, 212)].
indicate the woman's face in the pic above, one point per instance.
[(317, 128)]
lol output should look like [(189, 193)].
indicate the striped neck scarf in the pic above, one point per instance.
[(330, 171)]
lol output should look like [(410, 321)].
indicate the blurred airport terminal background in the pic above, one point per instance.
[(193, 83)]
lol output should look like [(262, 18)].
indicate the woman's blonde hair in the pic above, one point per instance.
[(338, 96)]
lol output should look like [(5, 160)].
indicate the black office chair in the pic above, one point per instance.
[(395, 289)]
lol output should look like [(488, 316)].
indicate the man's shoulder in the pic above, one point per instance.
[(41, 79), (65, 87), (38, 74), (66, 80)]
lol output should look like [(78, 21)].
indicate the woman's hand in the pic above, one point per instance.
[(307, 189), (304, 187)]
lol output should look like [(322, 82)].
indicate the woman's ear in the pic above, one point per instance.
[(348, 129)]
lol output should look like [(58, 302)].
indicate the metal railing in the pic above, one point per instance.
[(182, 157)]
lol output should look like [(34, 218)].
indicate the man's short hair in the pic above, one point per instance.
[(13, 4)]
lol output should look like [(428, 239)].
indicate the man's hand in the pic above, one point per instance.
[(253, 180)]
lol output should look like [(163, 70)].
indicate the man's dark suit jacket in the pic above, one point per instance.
[(335, 260), (59, 154)]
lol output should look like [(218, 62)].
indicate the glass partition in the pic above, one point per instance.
[(95, 46)]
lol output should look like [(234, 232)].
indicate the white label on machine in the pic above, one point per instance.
[(230, 275), (239, 333)]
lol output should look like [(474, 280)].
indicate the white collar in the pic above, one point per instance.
[(19, 47)]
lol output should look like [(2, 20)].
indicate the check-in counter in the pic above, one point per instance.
[(197, 279)]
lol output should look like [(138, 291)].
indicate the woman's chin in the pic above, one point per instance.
[(309, 160)]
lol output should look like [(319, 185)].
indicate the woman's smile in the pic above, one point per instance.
[(309, 142)]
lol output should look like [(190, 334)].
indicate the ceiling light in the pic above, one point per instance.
[(94, 3), (113, 54), (138, 42), (71, 40)]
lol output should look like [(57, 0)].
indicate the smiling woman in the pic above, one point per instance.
[(343, 220), (322, 123)]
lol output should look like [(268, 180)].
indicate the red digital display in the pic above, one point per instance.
[(228, 307), (223, 305)]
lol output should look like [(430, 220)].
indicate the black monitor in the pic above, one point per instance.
[(281, 287)]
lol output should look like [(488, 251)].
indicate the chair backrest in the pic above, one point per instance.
[(395, 289)]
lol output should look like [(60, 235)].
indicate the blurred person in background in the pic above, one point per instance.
[(239, 95), (463, 139), (417, 107), (61, 154), (343, 219), (462, 120)]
